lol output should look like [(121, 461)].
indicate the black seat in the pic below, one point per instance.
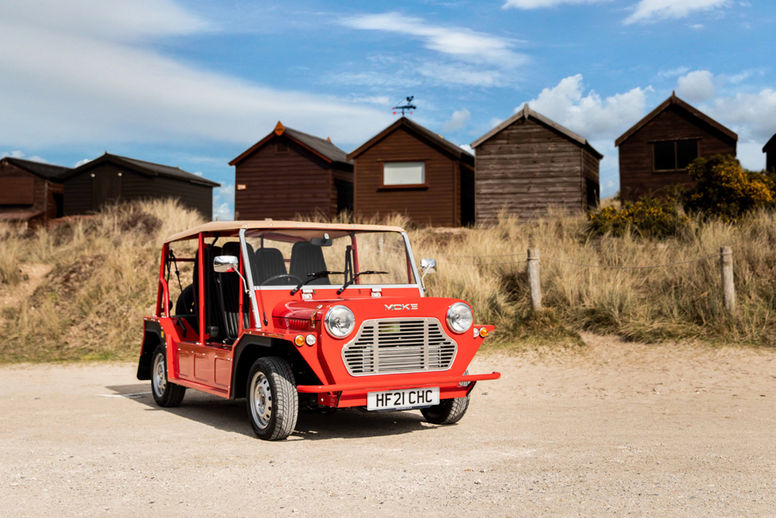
[(214, 314), (307, 258), (231, 285), (269, 263)]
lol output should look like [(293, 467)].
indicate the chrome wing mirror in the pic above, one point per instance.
[(426, 266), (229, 264), (225, 263)]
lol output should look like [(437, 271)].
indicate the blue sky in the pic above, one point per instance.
[(195, 83)]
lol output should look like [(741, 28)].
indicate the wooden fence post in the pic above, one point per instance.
[(728, 287), (534, 283)]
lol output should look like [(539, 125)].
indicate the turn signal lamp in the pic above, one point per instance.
[(483, 332), (299, 340)]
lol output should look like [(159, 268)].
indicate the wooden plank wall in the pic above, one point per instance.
[(636, 176), (20, 189), (770, 157), (523, 170), (78, 194), (284, 184), (436, 204), (197, 197), (80, 197)]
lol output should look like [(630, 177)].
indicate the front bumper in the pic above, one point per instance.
[(354, 394)]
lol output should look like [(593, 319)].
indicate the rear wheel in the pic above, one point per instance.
[(272, 401), (448, 411), (165, 393)]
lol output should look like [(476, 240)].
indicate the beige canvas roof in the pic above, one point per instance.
[(227, 228)]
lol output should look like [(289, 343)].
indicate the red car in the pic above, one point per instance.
[(327, 316)]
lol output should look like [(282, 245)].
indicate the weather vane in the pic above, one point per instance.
[(405, 107)]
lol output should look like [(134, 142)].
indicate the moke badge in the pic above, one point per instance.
[(400, 307)]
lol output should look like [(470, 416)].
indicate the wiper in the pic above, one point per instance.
[(356, 276), (312, 276)]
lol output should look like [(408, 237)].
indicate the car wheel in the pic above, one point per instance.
[(272, 401), (448, 411), (165, 393)]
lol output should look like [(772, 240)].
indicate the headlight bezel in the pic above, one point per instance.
[(328, 321), (453, 317)]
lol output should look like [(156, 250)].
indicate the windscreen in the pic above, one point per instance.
[(328, 258)]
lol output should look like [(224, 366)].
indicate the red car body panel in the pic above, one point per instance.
[(196, 362)]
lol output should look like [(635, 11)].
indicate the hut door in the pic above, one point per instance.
[(106, 188)]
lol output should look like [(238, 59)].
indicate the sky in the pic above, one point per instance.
[(193, 84)]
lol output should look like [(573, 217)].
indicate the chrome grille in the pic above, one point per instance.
[(393, 345)]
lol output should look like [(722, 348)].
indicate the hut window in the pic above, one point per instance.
[(404, 173), (671, 155)]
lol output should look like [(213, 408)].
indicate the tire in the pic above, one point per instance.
[(271, 398), (165, 393), (448, 411)]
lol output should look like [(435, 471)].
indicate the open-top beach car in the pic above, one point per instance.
[(288, 314)]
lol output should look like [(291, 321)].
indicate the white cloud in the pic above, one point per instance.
[(110, 86), (696, 86), (653, 10), (541, 4), (673, 72), (223, 202), (467, 148), (17, 153), (458, 120), (752, 115), (587, 113), (458, 42)]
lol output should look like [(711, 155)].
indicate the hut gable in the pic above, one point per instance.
[(530, 163), (409, 169), (30, 191), (770, 154), (289, 173), (655, 152), (111, 178)]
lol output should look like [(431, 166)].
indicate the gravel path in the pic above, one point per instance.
[(613, 428)]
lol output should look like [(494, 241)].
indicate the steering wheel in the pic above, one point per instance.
[(296, 279)]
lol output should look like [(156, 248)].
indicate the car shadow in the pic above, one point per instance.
[(230, 416)]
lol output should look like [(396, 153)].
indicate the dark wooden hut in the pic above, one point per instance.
[(529, 163), (112, 178), (770, 154), (30, 191), (290, 173), (655, 152), (409, 169)]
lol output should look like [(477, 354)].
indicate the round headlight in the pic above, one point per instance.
[(339, 321), (459, 317)]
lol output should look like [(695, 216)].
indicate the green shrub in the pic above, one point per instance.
[(648, 217), (726, 190)]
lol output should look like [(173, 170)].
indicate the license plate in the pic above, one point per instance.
[(402, 399)]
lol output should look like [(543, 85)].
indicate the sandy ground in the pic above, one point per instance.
[(616, 429)]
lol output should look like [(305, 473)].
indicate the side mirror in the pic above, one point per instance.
[(225, 263), (426, 266)]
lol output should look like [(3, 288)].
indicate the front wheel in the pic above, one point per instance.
[(272, 400), (448, 411), (165, 393)]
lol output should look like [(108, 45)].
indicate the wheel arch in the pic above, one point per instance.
[(152, 338), (251, 348)]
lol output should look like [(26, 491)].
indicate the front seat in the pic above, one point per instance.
[(308, 258)]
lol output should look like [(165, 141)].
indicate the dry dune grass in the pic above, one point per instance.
[(102, 269)]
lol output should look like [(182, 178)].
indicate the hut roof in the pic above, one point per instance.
[(324, 148), (676, 101), (527, 113), (432, 138)]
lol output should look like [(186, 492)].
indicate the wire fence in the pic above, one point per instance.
[(508, 259), (533, 262)]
